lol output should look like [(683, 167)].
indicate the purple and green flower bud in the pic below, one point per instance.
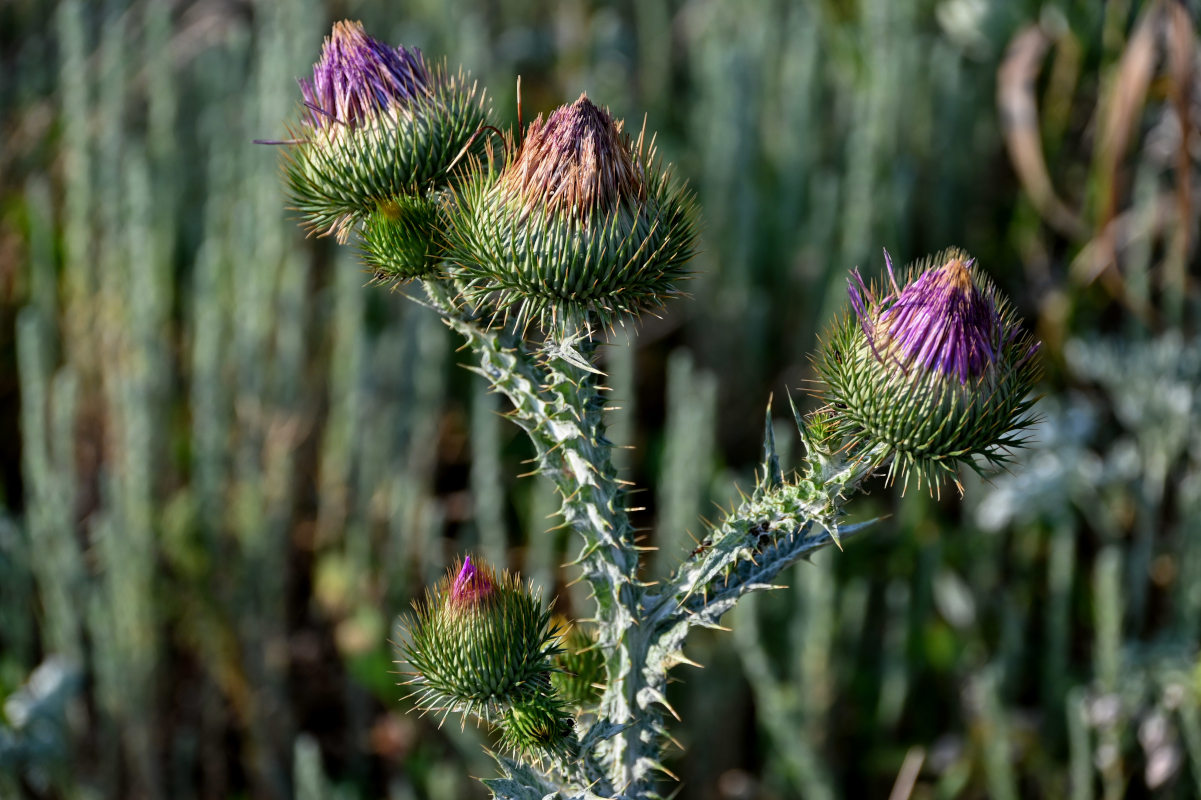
[(932, 374), (482, 645), (581, 223), (378, 124)]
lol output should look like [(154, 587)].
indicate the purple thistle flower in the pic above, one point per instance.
[(940, 322), (358, 76), (933, 374), (471, 584)]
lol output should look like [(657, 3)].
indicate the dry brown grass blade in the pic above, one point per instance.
[(1164, 28), (1180, 41), (1019, 122), (1122, 108), (1132, 225)]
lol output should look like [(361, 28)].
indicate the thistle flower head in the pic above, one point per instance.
[(379, 127), (579, 225), (932, 373), (357, 77), (402, 238), (479, 643)]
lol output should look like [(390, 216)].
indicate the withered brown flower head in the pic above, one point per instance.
[(576, 162), (581, 226)]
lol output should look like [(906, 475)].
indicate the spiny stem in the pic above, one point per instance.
[(641, 630), (558, 404)]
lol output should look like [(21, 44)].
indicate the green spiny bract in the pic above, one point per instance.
[(380, 124), (579, 668), (930, 375), (481, 645), (580, 222)]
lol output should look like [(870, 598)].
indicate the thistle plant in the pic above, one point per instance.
[(529, 254)]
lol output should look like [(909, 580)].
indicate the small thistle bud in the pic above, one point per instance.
[(580, 221), (537, 726), (482, 645), (400, 240), (932, 373), (378, 124)]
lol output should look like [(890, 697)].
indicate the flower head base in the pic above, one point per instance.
[(358, 77), (931, 374), (482, 645), (379, 125), (580, 224)]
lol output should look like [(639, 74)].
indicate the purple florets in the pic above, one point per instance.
[(471, 584), (359, 76), (942, 321)]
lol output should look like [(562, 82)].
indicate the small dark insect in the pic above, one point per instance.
[(702, 547), (837, 355), (762, 533)]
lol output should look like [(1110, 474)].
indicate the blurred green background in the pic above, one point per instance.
[(226, 464)]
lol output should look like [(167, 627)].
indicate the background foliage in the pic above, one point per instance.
[(225, 464)]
